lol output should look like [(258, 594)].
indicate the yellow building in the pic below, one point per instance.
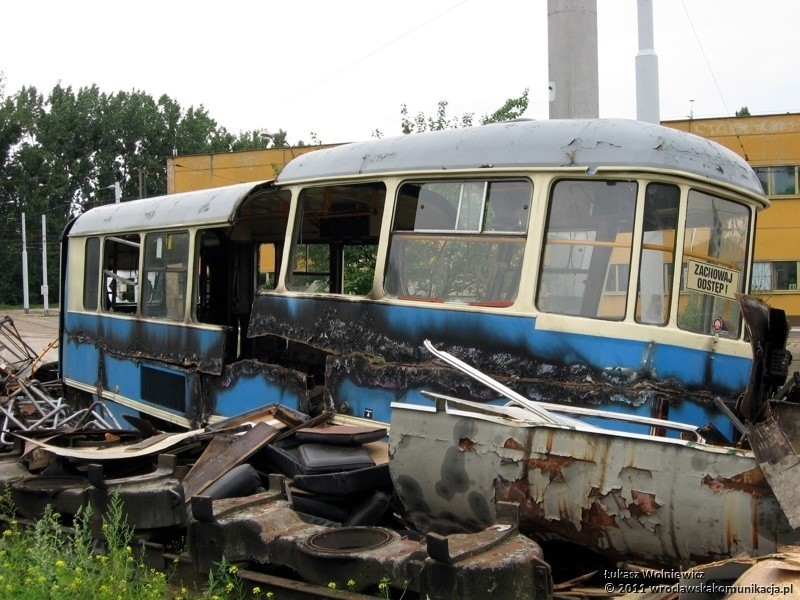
[(771, 144), (203, 171)]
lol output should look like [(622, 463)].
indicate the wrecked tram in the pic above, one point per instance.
[(592, 263)]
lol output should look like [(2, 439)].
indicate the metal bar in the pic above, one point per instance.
[(532, 406)]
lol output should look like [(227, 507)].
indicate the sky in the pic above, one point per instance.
[(337, 71)]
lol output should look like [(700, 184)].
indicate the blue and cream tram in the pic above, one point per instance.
[(585, 262)]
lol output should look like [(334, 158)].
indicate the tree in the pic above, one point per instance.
[(63, 153), (513, 108), (743, 112)]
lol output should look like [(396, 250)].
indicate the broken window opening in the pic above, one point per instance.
[(336, 243), (121, 273)]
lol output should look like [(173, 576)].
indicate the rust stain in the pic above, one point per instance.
[(466, 445), (616, 495), (598, 516), (644, 504), (512, 444), (552, 464), (517, 492), (751, 482)]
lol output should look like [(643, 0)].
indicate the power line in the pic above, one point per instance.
[(375, 51), (714, 78)]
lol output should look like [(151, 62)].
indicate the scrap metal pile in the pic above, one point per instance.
[(273, 491), (29, 402)]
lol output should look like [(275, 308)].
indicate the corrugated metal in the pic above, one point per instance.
[(591, 144)]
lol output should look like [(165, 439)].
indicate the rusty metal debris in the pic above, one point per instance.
[(460, 502), (273, 490), (28, 404)]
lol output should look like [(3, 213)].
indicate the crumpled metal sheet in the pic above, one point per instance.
[(659, 501)]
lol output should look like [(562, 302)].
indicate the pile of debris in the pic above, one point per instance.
[(270, 490), (30, 395)]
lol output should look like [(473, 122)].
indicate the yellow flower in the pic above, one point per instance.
[(229, 587), (270, 595), (256, 590), (332, 585), (233, 569), (60, 564)]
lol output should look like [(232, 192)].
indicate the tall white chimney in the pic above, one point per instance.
[(572, 58), (647, 105)]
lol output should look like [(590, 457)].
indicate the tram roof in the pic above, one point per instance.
[(215, 205), (587, 143)]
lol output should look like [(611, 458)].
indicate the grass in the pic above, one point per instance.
[(49, 562), (45, 561)]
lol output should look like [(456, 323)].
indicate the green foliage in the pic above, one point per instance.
[(513, 108), (61, 153), (47, 562), (743, 112)]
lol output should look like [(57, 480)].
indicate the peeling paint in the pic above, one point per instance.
[(638, 498)]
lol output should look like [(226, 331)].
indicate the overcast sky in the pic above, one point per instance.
[(343, 69)]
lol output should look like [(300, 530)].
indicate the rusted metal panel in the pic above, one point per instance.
[(497, 562), (655, 500), (779, 463)]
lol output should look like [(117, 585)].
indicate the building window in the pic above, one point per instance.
[(778, 181), (762, 277), (775, 276)]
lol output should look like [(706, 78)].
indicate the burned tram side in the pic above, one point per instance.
[(587, 263)]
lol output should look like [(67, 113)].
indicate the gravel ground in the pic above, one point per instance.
[(36, 329)]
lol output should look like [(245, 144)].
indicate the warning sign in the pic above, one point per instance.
[(712, 279)]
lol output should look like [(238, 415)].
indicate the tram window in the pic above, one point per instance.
[(164, 283), (459, 241), (654, 291), (120, 273), (91, 269), (589, 235), (714, 254), (336, 241)]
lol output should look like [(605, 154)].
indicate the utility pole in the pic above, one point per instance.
[(25, 300), (142, 181), (45, 289)]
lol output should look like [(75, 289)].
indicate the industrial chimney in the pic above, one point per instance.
[(647, 103), (572, 52)]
